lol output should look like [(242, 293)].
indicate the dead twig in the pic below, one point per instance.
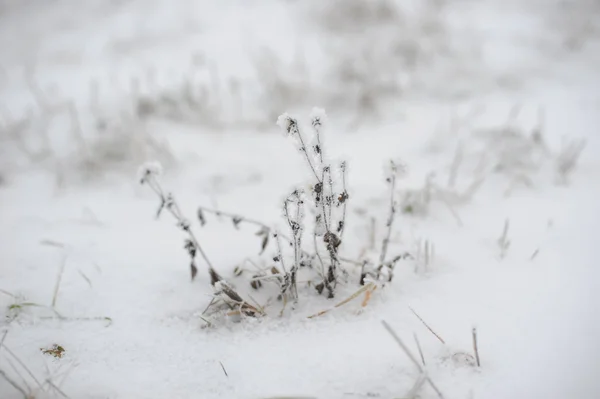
[(426, 325), (413, 359), (419, 348), (224, 371)]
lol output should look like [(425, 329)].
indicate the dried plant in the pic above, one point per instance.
[(148, 175), (326, 202), (324, 196)]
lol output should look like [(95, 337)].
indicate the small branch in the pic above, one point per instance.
[(426, 325)]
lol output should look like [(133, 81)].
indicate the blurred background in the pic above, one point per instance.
[(82, 84)]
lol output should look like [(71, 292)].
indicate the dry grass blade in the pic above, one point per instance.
[(14, 384), (475, 348), (23, 380), (426, 325), (412, 358), (224, 371), (57, 389), (22, 364), (419, 349), (58, 280), (86, 278), (402, 345), (7, 293), (362, 289), (3, 338), (368, 295)]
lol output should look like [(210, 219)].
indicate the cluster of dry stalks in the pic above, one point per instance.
[(325, 207)]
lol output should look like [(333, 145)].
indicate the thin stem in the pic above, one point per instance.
[(411, 356), (234, 216), (319, 255), (280, 254), (22, 365), (305, 151), (318, 135), (390, 221), (58, 280), (475, 348), (173, 208), (419, 348), (426, 325), (345, 199), (23, 380), (14, 384)]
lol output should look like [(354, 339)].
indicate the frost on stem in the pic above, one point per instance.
[(384, 272), (294, 213), (327, 196), (148, 174), (149, 169)]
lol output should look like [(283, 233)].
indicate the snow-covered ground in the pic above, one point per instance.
[(500, 92)]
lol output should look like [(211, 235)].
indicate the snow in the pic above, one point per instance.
[(510, 83)]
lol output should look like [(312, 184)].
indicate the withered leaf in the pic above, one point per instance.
[(263, 245), (201, 217), (194, 270), (256, 284), (162, 205), (190, 248), (214, 276), (343, 197)]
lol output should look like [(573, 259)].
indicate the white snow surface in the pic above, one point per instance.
[(497, 64)]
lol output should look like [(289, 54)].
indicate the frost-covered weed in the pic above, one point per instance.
[(320, 212)]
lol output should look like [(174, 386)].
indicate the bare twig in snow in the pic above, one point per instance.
[(503, 241), (426, 325), (475, 348), (419, 348), (412, 358), (58, 280), (224, 371)]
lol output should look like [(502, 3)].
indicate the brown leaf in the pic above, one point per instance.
[(194, 270), (263, 245)]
